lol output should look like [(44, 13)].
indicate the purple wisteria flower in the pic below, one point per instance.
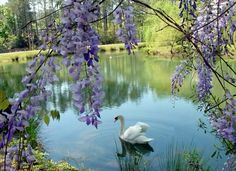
[(204, 84), (230, 164), (80, 40), (178, 77), (187, 8), (212, 30), (13, 156), (225, 124), (209, 34), (127, 32), (209, 31)]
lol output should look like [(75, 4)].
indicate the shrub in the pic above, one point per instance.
[(113, 49), (20, 42)]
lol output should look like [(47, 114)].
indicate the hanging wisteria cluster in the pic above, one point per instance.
[(230, 164), (225, 124), (127, 32), (187, 7), (178, 77), (74, 39), (219, 39), (211, 35), (79, 48), (77, 42), (211, 40)]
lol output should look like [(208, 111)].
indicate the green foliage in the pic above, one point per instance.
[(49, 165), (4, 103), (19, 42), (55, 114), (108, 38), (46, 119), (155, 30), (32, 132), (182, 159), (7, 22), (194, 160), (42, 163)]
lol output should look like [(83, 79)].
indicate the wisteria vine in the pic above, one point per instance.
[(212, 36)]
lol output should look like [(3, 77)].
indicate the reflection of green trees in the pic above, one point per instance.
[(121, 82), (61, 96), (10, 78), (116, 93), (125, 78), (140, 73)]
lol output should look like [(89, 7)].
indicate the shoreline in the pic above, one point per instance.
[(150, 49)]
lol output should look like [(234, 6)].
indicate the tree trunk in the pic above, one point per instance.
[(45, 12), (105, 27)]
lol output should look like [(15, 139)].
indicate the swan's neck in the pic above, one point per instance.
[(122, 126)]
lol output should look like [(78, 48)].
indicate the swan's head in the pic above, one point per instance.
[(119, 117)]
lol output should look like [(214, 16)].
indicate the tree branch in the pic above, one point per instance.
[(32, 21), (108, 13)]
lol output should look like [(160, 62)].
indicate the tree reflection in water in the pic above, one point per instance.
[(125, 78)]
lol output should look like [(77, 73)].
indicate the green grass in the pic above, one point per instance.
[(21, 55), (110, 47), (117, 47), (177, 158), (153, 48), (25, 55)]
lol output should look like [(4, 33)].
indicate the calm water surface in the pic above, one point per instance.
[(137, 87)]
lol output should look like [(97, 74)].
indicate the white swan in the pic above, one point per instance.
[(134, 134)]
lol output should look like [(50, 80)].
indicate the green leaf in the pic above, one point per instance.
[(4, 103), (55, 114), (213, 154), (46, 119), (2, 95)]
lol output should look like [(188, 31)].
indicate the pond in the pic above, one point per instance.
[(138, 87)]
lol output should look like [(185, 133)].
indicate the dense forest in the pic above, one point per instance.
[(22, 21)]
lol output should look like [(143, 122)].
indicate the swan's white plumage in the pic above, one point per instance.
[(135, 134)]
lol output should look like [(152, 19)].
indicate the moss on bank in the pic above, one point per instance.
[(43, 164)]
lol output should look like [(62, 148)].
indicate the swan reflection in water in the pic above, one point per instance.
[(131, 156), (134, 145)]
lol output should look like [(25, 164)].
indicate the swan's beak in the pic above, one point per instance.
[(115, 119)]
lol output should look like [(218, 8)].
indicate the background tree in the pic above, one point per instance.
[(7, 28)]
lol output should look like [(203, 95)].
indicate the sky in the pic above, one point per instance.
[(3, 2)]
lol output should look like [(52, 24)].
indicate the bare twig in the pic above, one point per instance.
[(162, 28), (218, 103)]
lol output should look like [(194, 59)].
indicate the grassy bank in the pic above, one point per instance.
[(26, 55), (152, 49), (16, 56)]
